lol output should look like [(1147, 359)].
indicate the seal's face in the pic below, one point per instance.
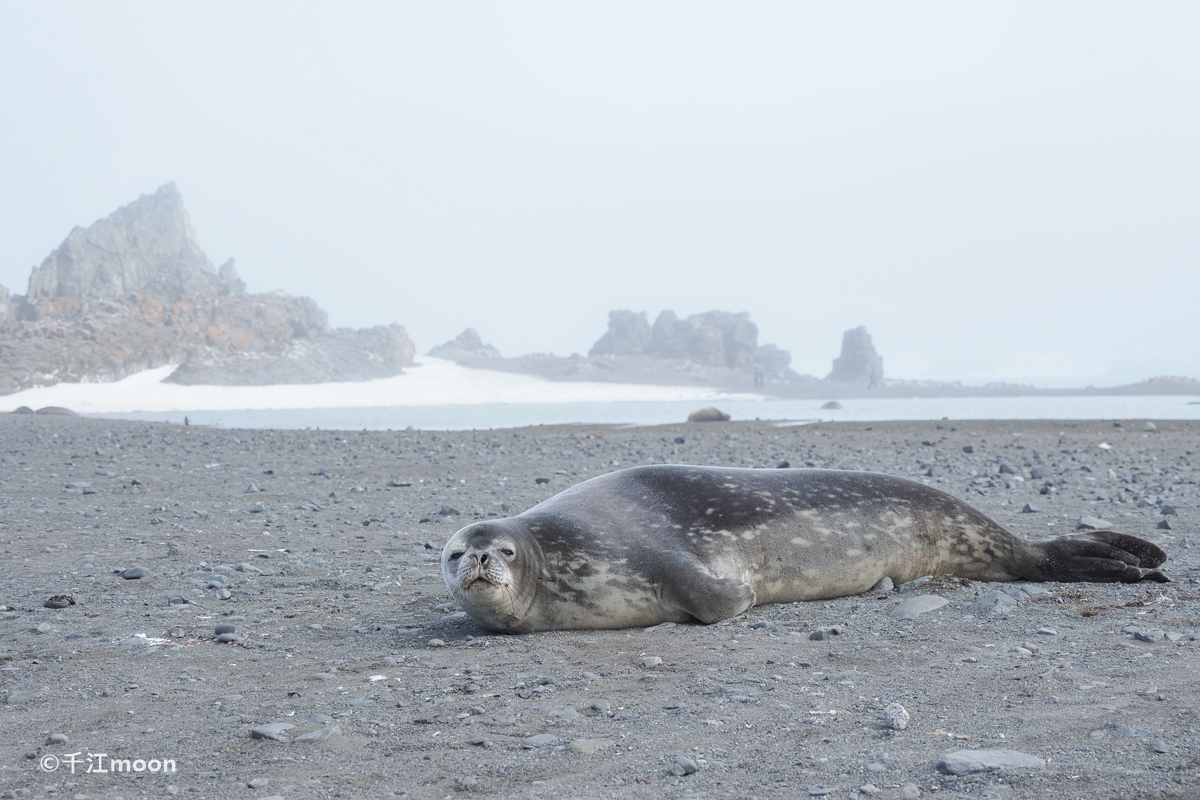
[(489, 568)]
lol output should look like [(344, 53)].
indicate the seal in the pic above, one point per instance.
[(654, 544)]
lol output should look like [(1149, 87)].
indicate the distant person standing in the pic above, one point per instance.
[(874, 384)]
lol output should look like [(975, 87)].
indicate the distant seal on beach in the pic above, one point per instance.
[(655, 544)]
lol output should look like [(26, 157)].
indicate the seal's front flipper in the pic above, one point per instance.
[(1102, 557), (708, 598)]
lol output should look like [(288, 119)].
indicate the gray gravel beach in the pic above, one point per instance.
[(264, 609)]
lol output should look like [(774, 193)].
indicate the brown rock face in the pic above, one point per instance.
[(135, 291)]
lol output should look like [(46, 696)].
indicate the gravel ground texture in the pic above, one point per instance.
[(263, 612)]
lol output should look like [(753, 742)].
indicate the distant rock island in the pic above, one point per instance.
[(135, 291)]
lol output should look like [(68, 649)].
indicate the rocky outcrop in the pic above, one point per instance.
[(628, 335), (713, 339), (467, 345), (135, 291), (858, 363)]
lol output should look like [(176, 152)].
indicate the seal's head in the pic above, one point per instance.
[(491, 570)]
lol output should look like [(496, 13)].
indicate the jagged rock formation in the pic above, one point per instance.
[(466, 345), (135, 291), (712, 339), (859, 362), (628, 335)]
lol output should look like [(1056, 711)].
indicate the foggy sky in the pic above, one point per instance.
[(1002, 191)]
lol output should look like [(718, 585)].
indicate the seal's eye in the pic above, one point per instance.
[(455, 556), (507, 553)]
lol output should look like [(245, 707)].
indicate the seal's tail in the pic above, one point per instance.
[(1101, 557)]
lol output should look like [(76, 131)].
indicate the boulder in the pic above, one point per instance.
[(858, 361), (708, 414)]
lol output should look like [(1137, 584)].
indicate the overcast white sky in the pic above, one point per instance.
[(998, 191)]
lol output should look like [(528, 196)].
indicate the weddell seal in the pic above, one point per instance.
[(655, 544)]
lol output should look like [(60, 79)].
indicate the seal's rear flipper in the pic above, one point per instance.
[(1101, 557), (708, 598)]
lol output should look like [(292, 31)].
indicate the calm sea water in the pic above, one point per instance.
[(475, 417)]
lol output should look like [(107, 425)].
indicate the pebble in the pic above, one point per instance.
[(1159, 746), (916, 606), (1092, 524), (586, 747), (321, 676), (684, 766), (825, 632), (895, 716), (590, 676), (910, 790), (994, 602), (964, 762), (884, 585), (868, 788), (436, 643), (229, 638), (1047, 632), (44, 627), (540, 740), (651, 661), (319, 719), (133, 573), (1029, 508), (567, 714), (271, 730), (319, 735), (224, 627), (817, 790), (1131, 730), (914, 583), (1167, 511), (259, 783), (57, 738)]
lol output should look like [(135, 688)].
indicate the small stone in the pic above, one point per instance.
[(59, 601), (1047, 632), (566, 714), (1029, 509), (44, 627), (651, 661), (916, 606), (1092, 524), (586, 747), (910, 790), (895, 716), (1150, 426), (964, 762), (684, 766), (465, 782), (57, 738), (817, 790), (590, 676), (259, 783), (1131, 731), (257, 508), (224, 594), (318, 719), (229, 638), (994, 602), (436, 643), (884, 585), (1153, 636), (271, 730), (913, 584), (224, 627), (1038, 473), (540, 740), (319, 735), (1167, 511), (133, 573), (1163, 525), (868, 788), (968, 449), (1159, 746)]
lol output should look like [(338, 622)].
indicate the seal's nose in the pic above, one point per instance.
[(483, 559)]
